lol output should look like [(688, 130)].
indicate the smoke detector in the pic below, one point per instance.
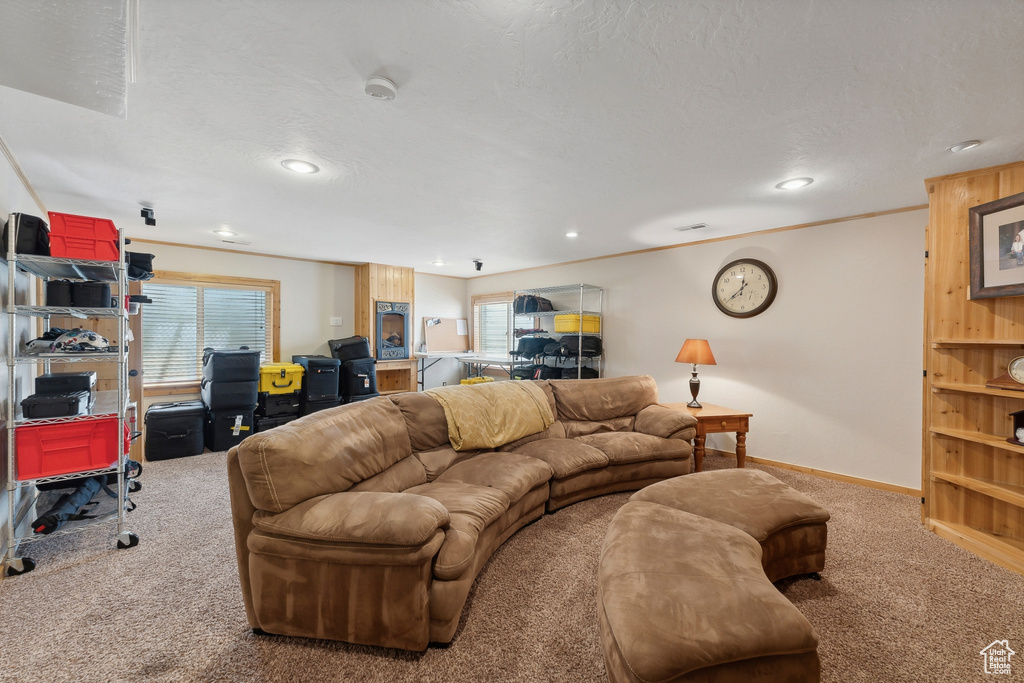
[(380, 88)]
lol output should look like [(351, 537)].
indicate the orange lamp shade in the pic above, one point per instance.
[(697, 352)]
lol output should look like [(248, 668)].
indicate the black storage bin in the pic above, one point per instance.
[(238, 365), (358, 377), (90, 294), (227, 427), (229, 394), (174, 430), (350, 348), (321, 376), (356, 399), (263, 423), (308, 407), (55, 405), (58, 293), (273, 405), (31, 235), (60, 382)]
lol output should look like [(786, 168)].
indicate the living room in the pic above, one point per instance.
[(830, 372)]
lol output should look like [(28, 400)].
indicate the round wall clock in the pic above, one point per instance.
[(744, 288), (1016, 369)]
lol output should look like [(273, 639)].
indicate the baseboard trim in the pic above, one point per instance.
[(825, 474)]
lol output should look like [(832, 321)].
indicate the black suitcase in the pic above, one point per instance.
[(58, 293), (321, 376), (90, 294), (60, 382), (356, 399), (174, 430), (350, 348), (229, 394), (358, 377), (227, 427), (308, 407), (55, 405), (265, 423), (239, 365), (274, 405), (31, 235)]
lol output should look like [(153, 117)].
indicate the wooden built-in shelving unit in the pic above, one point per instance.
[(376, 282), (973, 478)]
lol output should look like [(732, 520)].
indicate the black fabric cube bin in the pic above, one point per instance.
[(358, 377), (321, 376), (309, 407), (227, 427), (64, 404), (238, 365), (90, 294), (31, 235), (265, 423), (350, 348), (174, 430), (275, 405), (229, 394), (58, 293)]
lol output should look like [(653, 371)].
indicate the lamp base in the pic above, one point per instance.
[(694, 404), (694, 388)]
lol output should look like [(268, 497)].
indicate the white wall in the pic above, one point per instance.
[(831, 372), (439, 297)]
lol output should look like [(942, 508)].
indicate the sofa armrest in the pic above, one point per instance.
[(668, 423), (363, 517)]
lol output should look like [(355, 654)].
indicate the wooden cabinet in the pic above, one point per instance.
[(376, 282), (973, 478)]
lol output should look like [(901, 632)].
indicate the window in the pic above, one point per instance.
[(492, 337), (189, 313)]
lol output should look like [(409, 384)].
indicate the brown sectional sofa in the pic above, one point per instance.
[(363, 524)]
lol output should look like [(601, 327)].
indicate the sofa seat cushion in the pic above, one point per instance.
[(681, 597), (471, 509), (512, 473), (373, 518), (628, 447), (566, 457)]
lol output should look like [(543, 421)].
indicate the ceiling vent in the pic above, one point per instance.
[(380, 88), (236, 242), (695, 226)]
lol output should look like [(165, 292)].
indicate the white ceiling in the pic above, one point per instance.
[(519, 120)]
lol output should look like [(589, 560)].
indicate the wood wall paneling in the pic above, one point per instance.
[(377, 282)]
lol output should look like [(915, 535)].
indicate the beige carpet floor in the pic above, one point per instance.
[(896, 603)]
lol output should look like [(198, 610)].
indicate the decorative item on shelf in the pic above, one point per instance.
[(1013, 378), (1018, 428), (695, 352), (995, 234)]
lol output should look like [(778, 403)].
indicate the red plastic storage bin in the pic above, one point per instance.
[(46, 450), (82, 237)]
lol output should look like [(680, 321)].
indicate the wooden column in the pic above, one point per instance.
[(376, 282)]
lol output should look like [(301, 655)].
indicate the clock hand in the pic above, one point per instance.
[(738, 291)]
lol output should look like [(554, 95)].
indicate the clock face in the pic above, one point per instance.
[(1016, 369), (745, 288)]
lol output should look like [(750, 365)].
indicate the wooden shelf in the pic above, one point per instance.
[(1003, 550), (976, 389), (968, 343), (979, 437), (1008, 493)]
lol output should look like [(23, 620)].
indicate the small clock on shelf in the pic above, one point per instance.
[(1013, 378)]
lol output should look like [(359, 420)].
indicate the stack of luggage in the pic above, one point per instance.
[(229, 388), (358, 378), (279, 391), (60, 395), (320, 387)]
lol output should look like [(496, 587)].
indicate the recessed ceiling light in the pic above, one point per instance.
[(299, 166), (439, 263), (572, 233), (224, 232), (965, 145), (794, 183)]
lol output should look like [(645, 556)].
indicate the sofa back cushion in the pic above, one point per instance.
[(424, 418), (603, 399), (326, 452)]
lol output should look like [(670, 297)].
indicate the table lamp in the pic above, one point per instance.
[(696, 352)]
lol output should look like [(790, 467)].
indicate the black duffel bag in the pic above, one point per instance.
[(581, 346), (528, 303), (529, 347)]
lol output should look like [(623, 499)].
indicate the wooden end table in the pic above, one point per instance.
[(712, 419)]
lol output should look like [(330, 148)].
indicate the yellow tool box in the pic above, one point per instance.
[(571, 323), (476, 380), (280, 378)]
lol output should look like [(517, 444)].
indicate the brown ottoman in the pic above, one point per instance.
[(789, 526), (684, 598)]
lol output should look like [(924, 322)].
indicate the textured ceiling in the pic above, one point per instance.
[(519, 120)]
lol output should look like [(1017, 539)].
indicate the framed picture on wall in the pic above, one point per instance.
[(997, 248)]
